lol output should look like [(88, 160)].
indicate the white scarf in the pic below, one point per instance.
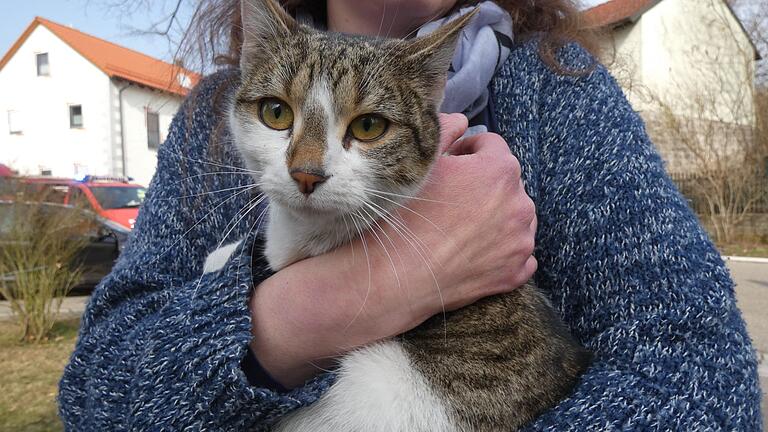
[(482, 48)]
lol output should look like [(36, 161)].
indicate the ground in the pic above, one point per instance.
[(752, 295), (754, 249), (31, 375)]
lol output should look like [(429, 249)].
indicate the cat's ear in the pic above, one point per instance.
[(433, 53), (264, 23)]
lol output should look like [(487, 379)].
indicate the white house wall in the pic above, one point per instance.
[(46, 141), (696, 48), (692, 58), (137, 100), (623, 54)]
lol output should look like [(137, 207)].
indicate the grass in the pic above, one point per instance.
[(30, 379), (759, 250)]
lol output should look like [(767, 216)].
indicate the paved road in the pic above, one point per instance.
[(71, 307), (752, 296)]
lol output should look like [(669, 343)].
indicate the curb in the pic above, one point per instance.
[(69, 314), (746, 259)]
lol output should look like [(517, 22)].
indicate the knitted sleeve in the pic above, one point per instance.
[(630, 268), (160, 347)]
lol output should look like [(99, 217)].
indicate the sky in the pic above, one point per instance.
[(90, 16), (93, 17)]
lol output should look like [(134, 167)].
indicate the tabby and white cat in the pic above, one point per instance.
[(325, 118)]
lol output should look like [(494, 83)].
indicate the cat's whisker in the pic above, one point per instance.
[(253, 245), (210, 192), (387, 54), (252, 205), (408, 197), (448, 237), (403, 230), (211, 174), (388, 218), (217, 164), (381, 23), (386, 251), (408, 230), (392, 23), (368, 260), (183, 235), (349, 236), (383, 215), (322, 369)]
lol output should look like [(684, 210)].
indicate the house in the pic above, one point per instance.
[(72, 104), (690, 61)]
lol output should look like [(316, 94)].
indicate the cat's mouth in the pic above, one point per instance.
[(321, 200)]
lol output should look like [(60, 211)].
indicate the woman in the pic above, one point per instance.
[(621, 255)]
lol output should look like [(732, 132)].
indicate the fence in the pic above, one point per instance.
[(690, 185)]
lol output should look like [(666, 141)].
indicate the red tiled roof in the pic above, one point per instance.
[(615, 12), (114, 60), (6, 171)]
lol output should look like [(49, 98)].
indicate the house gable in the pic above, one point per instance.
[(62, 117), (114, 60), (615, 13)]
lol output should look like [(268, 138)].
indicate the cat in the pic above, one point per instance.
[(323, 119)]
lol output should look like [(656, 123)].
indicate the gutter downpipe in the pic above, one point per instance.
[(122, 129)]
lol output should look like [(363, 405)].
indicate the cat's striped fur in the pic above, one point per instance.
[(488, 367)]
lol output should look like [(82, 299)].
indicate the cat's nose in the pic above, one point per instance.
[(307, 181)]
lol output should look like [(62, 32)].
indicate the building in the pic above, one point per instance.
[(72, 104), (690, 61)]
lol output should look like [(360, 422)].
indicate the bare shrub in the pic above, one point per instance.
[(38, 259)]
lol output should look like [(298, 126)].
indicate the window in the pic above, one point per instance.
[(75, 116), (42, 65), (14, 122), (78, 199), (184, 80), (115, 197), (153, 130)]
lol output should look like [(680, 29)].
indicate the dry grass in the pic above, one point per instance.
[(759, 250), (30, 377)]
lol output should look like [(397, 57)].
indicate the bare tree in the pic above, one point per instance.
[(193, 30), (754, 16), (709, 118)]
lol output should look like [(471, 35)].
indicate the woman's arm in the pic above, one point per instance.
[(472, 229), (630, 268)]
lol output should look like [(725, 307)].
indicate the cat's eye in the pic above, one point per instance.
[(276, 114), (368, 127)]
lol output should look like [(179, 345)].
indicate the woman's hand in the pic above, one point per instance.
[(470, 235)]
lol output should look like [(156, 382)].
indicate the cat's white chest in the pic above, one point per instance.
[(290, 238)]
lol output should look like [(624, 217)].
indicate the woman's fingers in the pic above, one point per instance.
[(484, 143), (452, 127)]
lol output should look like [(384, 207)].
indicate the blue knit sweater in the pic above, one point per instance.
[(620, 253)]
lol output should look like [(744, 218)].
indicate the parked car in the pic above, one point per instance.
[(8, 182), (104, 240), (115, 199)]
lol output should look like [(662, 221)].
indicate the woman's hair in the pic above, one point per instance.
[(215, 31)]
